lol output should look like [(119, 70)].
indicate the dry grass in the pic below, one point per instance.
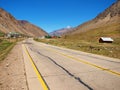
[(6, 45)]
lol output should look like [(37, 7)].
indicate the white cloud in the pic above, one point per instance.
[(68, 27)]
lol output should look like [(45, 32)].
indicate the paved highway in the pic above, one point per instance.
[(54, 68)]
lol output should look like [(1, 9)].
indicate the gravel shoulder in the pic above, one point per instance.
[(12, 70)]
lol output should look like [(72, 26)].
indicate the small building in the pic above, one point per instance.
[(105, 40), (13, 35)]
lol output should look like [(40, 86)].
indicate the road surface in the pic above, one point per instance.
[(54, 68)]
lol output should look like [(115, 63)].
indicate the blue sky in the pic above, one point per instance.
[(51, 15)]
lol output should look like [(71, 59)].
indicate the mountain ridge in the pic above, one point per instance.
[(109, 16), (61, 31), (8, 23)]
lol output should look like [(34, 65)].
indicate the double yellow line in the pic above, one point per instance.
[(40, 78), (85, 62)]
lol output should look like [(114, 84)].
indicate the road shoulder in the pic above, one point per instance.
[(12, 70)]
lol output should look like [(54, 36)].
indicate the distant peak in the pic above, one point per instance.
[(23, 21)]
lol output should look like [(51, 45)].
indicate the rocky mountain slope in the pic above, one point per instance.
[(61, 31), (110, 16), (9, 24)]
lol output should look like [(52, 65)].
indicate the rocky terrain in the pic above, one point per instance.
[(9, 24), (110, 16)]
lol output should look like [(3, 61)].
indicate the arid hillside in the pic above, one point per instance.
[(109, 17), (9, 24)]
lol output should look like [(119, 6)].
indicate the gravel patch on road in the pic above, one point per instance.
[(12, 70)]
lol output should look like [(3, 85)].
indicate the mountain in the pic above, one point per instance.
[(109, 17), (9, 24), (62, 31), (31, 29)]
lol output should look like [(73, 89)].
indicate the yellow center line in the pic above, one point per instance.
[(86, 62), (40, 78)]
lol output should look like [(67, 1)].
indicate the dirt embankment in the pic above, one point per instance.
[(12, 71)]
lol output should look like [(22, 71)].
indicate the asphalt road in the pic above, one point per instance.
[(54, 68)]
